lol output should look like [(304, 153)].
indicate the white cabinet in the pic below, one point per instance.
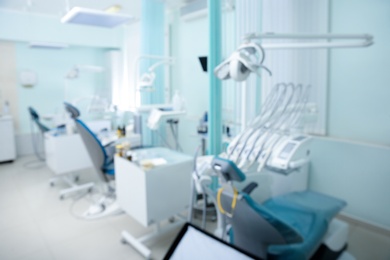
[(66, 153), (7, 139), (150, 196)]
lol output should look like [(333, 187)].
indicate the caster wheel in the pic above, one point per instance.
[(172, 219), (51, 184), (123, 241), (76, 179), (62, 197), (89, 190)]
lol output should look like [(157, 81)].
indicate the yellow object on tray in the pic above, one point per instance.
[(148, 164)]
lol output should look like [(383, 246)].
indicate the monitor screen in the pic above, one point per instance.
[(203, 62), (193, 244)]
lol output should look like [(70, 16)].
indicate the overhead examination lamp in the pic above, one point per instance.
[(146, 81), (250, 55), (247, 58), (93, 17)]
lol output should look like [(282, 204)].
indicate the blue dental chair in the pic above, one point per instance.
[(69, 178), (35, 118), (103, 162), (290, 226), (101, 156), (42, 129)]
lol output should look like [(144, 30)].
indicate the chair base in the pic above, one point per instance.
[(336, 236), (138, 243), (346, 256), (334, 245), (71, 181), (103, 209), (325, 253)]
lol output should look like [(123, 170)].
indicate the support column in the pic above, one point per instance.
[(152, 43), (214, 57)]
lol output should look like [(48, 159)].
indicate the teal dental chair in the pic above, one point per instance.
[(69, 178), (290, 226), (42, 129), (35, 118), (99, 154), (102, 161)]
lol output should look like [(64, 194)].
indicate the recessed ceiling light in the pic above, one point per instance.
[(85, 16)]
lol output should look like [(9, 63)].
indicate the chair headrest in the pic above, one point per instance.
[(33, 113), (228, 169), (74, 112)]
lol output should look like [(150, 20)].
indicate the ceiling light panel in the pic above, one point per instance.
[(85, 16)]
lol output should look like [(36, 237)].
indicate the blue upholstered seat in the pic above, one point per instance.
[(290, 226), (35, 117), (309, 213), (96, 150)]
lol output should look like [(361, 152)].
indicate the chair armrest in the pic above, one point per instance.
[(109, 144), (250, 187)]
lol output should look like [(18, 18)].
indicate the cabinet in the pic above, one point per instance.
[(66, 153), (152, 195), (7, 139)]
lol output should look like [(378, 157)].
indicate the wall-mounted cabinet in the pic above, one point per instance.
[(7, 139)]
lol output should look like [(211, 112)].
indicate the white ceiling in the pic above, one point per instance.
[(57, 7)]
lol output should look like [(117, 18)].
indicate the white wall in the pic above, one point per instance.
[(131, 46), (306, 67), (359, 107), (355, 172), (8, 80), (189, 41), (353, 163), (19, 26), (358, 110)]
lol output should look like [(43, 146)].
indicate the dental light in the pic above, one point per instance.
[(310, 41), (248, 58), (146, 81), (250, 55), (93, 17)]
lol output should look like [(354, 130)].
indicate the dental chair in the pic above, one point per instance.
[(35, 118), (289, 226), (68, 178), (103, 163), (42, 129)]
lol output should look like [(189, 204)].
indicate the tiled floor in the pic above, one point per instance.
[(35, 224), (366, 244)]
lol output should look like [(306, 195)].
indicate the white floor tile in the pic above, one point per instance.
[(15, 216), (20, 241), (7, 179), (10, 168), (161, 245), (365, 244), (35, 224), (64, 227), (43, 254), (10, 199), (26, 179), (126, 222), (98, 245)]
